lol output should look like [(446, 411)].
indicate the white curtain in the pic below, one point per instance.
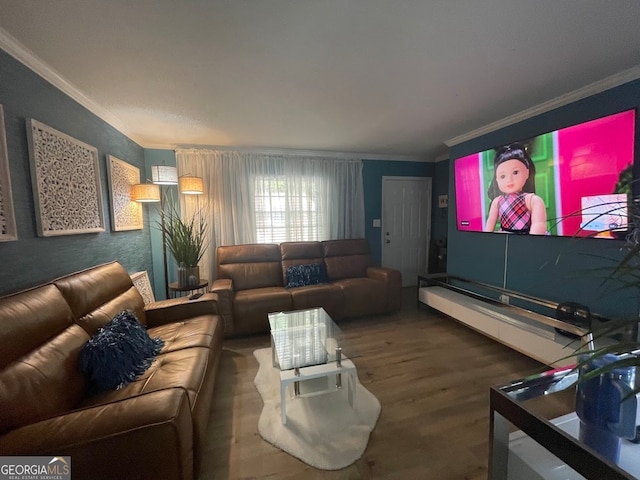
[(235, 182)]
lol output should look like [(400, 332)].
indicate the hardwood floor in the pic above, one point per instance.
[(431, 375)]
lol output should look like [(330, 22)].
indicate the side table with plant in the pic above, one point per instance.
[(186, 239)]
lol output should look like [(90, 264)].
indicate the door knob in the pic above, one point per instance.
[(387, 241)]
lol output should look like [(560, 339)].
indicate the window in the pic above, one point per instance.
[(289, 209)]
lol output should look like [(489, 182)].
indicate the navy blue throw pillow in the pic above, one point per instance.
[(307, 274), (118, 353)]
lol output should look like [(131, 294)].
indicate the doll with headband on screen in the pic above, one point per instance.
[(513, 194)]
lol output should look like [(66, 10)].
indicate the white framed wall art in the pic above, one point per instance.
[(65, 176), (125, 213), (8, 230), (141, 281)]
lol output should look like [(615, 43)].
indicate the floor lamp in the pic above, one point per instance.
[(164, 175), (150, 193), (161, 176)]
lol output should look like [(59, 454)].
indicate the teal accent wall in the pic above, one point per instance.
[(372, 173), (32, 260), (439, 216), (553, 268)]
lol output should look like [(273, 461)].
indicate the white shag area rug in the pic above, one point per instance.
[(322, 431)]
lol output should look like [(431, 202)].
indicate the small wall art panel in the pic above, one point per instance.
[(8, 230), (141, 282), (125, 213), (66, 183)]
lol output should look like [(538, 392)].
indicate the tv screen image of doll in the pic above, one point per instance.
[(575, 181)]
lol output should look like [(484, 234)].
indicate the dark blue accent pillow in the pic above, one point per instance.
[(118, 353), (307, 274)]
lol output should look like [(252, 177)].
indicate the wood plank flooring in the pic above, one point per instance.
[(431, 375)]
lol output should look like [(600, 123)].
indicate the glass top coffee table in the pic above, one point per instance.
[(305, 347)]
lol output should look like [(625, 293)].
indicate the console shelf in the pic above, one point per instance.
[(509, 317)]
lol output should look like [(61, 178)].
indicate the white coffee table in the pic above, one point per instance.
[(304, 345)]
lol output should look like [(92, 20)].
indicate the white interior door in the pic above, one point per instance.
[(406, 225)]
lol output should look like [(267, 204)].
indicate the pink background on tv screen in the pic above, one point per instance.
[(468, 194), (590, 157)]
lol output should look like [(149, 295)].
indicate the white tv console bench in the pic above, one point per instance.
[(476, 305)]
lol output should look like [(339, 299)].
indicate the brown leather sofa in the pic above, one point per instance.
[(151, 428), (251, 282)]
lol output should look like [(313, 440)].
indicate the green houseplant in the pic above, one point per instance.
[(184, 238), (622, 273), (607, 360)]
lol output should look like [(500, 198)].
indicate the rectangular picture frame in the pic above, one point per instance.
[(141, 281), (65, 176), (126, 214), (8, 231)]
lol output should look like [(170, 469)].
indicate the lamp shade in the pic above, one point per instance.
[(145, 192), (191, 185), (164, 175)]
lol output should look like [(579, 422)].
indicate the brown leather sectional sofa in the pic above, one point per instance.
[(251, 282), (152, 428)]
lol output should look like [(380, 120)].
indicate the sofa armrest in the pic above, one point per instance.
[(222, 284), (388, 275), (223, 287), (147, 436), (176, 309), (393, 279)]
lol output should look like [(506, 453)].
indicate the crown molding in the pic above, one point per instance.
[(301, 153), (25, 56), (29, 59), (584, 92)]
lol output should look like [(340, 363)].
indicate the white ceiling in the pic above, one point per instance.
[(380, 77)]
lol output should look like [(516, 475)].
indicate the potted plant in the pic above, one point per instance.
[(606, 388), (186, 240), (623, 273)]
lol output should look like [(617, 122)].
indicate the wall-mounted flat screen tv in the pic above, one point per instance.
[(576, 181)]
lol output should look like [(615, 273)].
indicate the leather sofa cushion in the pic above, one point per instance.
[(250, 266), (184, 369), (43, 383), (252, 275), (130, 299), (300, 250), (248, 253), (107, 441), (328, 296), (203, 331), (346, 258), (29, 319), (365, 296), (252, 306), (270, 299), (341, 248), (89, 289)]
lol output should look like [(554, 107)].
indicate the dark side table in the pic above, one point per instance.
[(176, 291)]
